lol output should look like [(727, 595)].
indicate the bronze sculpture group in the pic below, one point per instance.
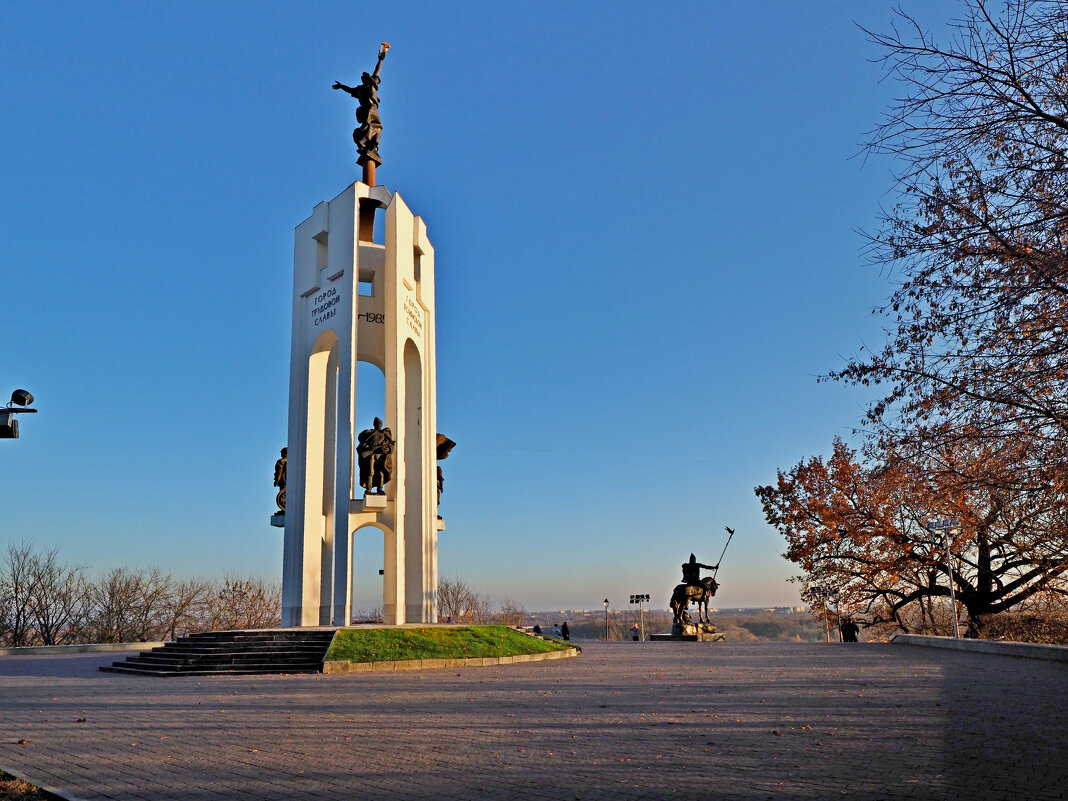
[(374, 451)]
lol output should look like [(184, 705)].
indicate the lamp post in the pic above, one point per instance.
[(837, 611), (818, 592), (606, 620), (639, 599), (948, 527)]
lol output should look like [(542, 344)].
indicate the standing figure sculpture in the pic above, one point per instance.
[(374, 449), (367, 135), (280, 481), (694, 589), (445, 446)]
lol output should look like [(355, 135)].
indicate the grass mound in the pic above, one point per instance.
[(453, 642)]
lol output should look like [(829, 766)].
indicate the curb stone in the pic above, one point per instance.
[(429, 664), (1026, 650), (81, 648)]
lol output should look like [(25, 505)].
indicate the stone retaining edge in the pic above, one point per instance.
[(82, 648), (427, 664), (1025, 650)]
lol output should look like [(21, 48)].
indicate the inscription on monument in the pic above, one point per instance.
[(325, 303), (414, 315), (372, 317)]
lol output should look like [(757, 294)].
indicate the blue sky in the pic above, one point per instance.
[(645, 219)]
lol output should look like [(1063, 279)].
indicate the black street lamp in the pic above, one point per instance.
[(820, 593), (9, 426), (640, 599), (948, 527)]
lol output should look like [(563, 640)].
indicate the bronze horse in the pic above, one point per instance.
[(700, 594)]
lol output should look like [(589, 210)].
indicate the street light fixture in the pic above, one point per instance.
[(640, 599), (818, 591), (837, 611), (9, 426), (606, 620), (948, 527)]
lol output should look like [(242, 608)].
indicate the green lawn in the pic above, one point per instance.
[(452, 642)]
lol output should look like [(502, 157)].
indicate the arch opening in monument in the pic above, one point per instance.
[(367, 585), (321, 444), (420, 596), (370, 395)]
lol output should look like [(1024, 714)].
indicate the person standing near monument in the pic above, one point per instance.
[(565, 632), (850, 630), (373, 449)]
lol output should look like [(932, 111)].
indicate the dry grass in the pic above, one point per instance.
[(12, 789)]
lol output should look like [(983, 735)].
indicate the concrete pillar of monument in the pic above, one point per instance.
[(389, 324)]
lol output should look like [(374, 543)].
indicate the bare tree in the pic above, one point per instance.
[(16, 581), (977, 239), (45, 600), (458, 602), (58, 598), (371, 614), (511, 613), (130, 606), (244, 603), (187, 607)]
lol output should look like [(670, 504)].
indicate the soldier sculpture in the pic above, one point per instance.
[(374, 449)]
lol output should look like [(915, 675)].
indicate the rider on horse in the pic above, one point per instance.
[(691, 571), (693, 590)]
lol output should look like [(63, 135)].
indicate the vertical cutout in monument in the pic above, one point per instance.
[(368, 550), (321, 450), (371, 398), (413, 482)]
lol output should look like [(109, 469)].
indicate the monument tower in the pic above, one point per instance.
[(354, 300)]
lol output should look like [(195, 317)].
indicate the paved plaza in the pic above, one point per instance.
[(622, 721)]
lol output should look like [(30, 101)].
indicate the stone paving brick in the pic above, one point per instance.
[(628, 721)]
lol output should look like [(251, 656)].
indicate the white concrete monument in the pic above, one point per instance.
[(354, 300)]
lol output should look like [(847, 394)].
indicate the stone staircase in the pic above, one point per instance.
[(225, 653)]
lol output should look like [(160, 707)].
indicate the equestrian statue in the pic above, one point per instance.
[(695, 589)]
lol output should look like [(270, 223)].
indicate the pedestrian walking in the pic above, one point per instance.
[(565, 631)]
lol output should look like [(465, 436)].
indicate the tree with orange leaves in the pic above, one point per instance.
[(972, 422), (860, 532)]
